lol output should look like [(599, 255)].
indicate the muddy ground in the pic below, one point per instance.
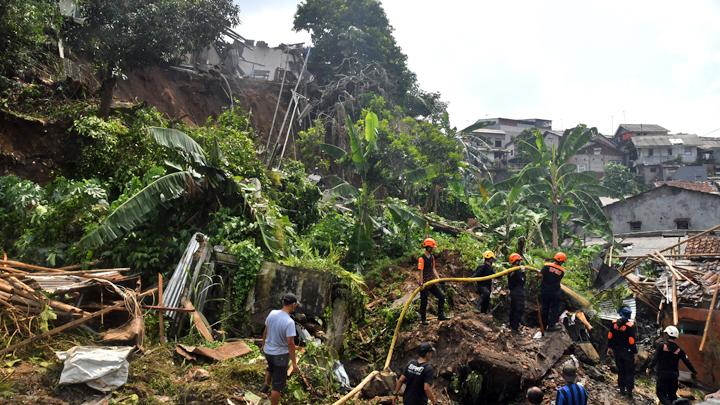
[(470, 347)]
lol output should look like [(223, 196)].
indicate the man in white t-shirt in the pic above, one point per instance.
[(278, 342)]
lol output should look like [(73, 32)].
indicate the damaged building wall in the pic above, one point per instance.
[(692, 325), (321, 296), (664, 208)]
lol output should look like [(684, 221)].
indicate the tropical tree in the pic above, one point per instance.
[(120, 36), (196, 173), (555, 184), (619, 181), (23, 32)]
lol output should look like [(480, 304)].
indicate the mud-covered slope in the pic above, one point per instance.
[(192, 97)]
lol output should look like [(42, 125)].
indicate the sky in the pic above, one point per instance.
[(600, 63)]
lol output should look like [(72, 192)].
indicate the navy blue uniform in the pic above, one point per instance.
[(484, 288), (667, 357), (516, 285), (621, 339), (550, 291)]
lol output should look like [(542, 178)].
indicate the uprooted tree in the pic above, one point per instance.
[(120, 36)]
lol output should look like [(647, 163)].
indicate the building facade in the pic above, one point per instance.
[(664, 208), (596, 155)]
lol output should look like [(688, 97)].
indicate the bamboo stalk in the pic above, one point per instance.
[(80, 272), (355, 390), (71, 324), (674, 300), (30, 266), (710, 314), (672, 269), (161, 314)]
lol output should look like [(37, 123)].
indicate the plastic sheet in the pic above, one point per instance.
[(104, 368)]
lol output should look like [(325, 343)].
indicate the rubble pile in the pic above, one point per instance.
[(65, 298)]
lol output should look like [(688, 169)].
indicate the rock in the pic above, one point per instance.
[(586, 353), (382, 385), (594, 373), (641, 360), (198, 374)]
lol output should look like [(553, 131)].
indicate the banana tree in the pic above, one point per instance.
[(555, 184), (196, 173)]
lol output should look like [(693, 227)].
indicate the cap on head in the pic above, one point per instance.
[(489, 254), (425, 348), (429, 242), (569, 370), (289, 299), (534, 395), (514, 258), (625, 312), (672, 331), (560, 257)]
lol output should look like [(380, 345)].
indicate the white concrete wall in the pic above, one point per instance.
[(658, 209), (661, 155)]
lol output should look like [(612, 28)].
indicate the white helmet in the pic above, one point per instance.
[(672, 331)]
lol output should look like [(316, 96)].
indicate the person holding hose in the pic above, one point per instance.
[(516, 285), (667, 358), (622, 338), (550, 291), (484, 288), (427, 272)]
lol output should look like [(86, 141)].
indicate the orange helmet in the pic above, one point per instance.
[(560, 257), (429, 242), (515, 257)]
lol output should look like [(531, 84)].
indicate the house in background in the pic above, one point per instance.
[(625, 132), (664, 208), (498, 135), (658, 157), (596, 155)]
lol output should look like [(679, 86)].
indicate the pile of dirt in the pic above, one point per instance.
[(32, 148)]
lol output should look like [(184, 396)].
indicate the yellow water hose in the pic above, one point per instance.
[(367, 379)]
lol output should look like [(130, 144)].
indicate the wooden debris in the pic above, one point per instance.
[(200, 323), (708, 320), (161, 314)]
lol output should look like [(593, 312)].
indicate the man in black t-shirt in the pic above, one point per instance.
[(667, 358), (484, 288), (417, 377)]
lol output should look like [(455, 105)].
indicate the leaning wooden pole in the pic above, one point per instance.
[(674, 300), (161, 321), (708, 320)]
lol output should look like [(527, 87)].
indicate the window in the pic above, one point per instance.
[(688, 150), (650, 152), (653, 170), (682, 223), (669, 151), (691, 327), (597, 151), (498, 143), (635, 226)]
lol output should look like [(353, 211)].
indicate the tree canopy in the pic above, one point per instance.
[(24, 25), (120, 36)]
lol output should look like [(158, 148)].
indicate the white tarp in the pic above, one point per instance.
[(104, 368)]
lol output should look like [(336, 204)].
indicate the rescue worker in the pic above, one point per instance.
[(484, 288), (417, 377), (621, 342), (572, 393), (550, 292), (516, 285), (534, 396), (427, 272), (667, 357)]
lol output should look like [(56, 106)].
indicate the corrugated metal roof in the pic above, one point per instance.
[(709, 143), (666, 140), (642, 246), (609, 312), (643, 128)]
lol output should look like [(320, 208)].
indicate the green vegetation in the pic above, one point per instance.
[(619, 181)]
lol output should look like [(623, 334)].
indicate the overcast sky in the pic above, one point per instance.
[(594, 62)]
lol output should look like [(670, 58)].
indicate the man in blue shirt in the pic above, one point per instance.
[(279, 346), (571, 393)]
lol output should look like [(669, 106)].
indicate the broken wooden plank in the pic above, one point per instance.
[(166, 309), (81, 272), (30, 266), (198, 321), (72, 324), (708, 320)]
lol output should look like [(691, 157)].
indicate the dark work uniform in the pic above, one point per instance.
[(550, 292), (416, 376), (426, 265), (621, 339), (667, 357), (516, 285), (484, 288)]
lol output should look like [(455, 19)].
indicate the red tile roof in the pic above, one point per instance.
[(704, 187)]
